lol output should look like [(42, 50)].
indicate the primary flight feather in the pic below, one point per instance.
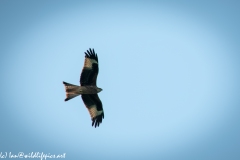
[(88, 88)]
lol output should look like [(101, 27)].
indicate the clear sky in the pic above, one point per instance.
[(169, 71)]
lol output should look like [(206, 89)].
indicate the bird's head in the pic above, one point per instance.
[(99, 90)]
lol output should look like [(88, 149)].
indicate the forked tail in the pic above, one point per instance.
[(71, 90)]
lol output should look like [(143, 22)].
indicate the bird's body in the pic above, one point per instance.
[(77, 90), (88, 89)]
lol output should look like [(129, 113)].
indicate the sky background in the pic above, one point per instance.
[(169, 71)]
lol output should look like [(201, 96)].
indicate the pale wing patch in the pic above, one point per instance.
[(88, 62), (93, 111)]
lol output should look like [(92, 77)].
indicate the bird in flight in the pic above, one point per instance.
[(88, 88)]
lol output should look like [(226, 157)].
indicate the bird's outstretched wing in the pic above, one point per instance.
[(94, 106), (90, 69)]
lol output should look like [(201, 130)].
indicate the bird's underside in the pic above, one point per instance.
[(74, 90), (88, 89)]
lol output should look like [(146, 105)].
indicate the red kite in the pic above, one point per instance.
[(88, 89)]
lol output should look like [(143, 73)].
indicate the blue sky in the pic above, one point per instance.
[(169, 73)]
